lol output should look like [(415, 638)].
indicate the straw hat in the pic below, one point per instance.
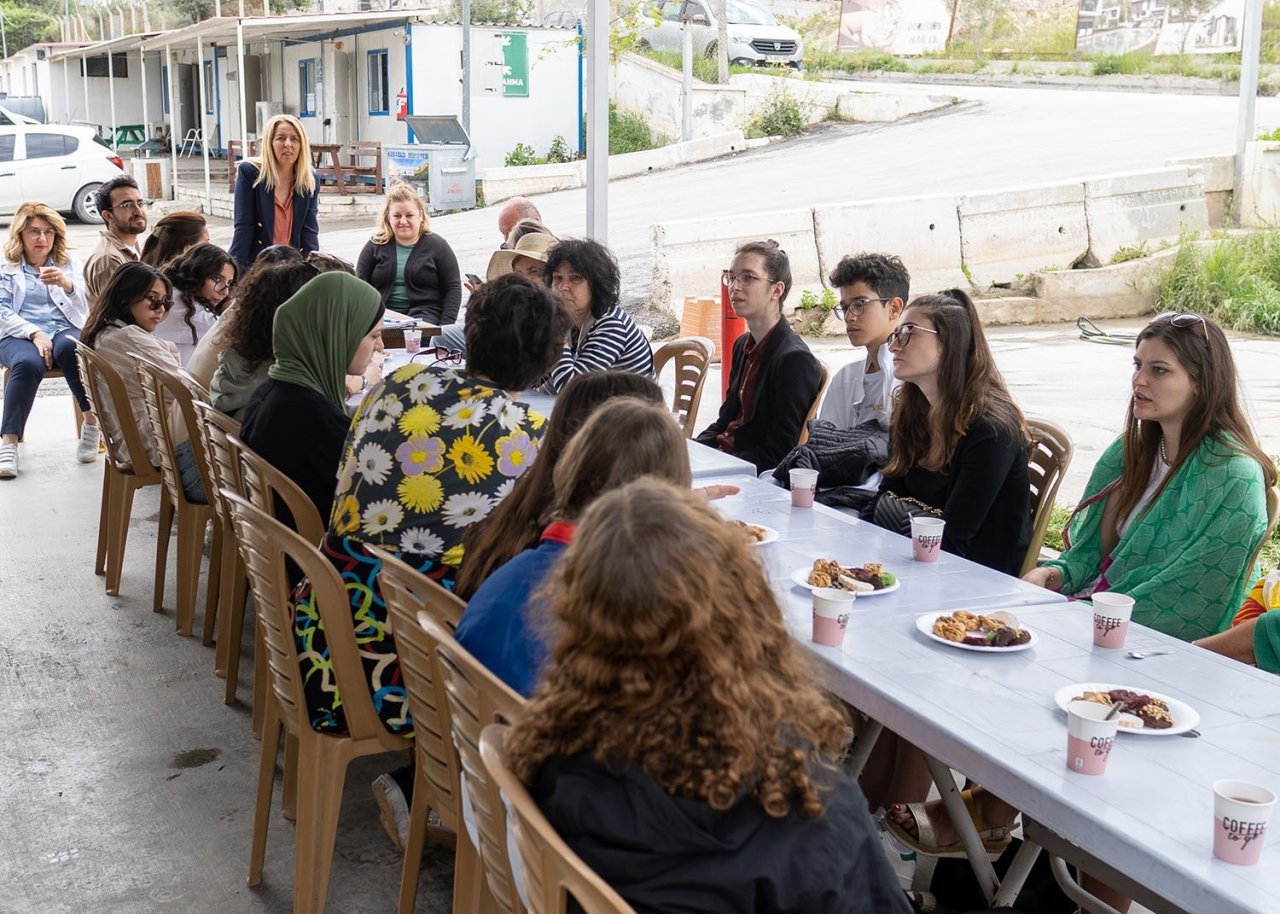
[(535, 245)]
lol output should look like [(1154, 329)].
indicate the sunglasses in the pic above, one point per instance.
[(902, 335), (441, 355), (156, 303), (1184, 319)]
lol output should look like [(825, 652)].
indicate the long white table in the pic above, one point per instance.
[(993, 717)]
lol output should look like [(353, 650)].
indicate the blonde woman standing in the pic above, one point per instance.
[(414, 270), (277, 196), (42, 308)]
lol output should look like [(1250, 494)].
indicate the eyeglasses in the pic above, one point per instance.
[(220, 283), (856, 306), (129, 205), (901, 336), (441, 354), (731, 279), (1184, 319), (40, 233), (156, 303)]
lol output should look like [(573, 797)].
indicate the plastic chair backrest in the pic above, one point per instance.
[(402, 588), (824, 377), (478, 698), (103, 384), (265, 544), (1048, 457), (551, 870), (223, 465), (179, 391), (263, 484), (691, 355)]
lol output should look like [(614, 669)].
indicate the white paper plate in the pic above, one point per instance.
[(800, 577), (1184, 716), (924, 624)]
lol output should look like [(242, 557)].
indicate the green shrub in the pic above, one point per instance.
[(1236, 281), (704, 68), (523, 154), (1058, 515), (862, 61), (559, 151), (630, 133), (1121, 64), (1126, 253), (823, 301), (780, 115), (1270, 136)]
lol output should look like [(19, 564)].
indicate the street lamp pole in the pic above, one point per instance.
[(4, 35)]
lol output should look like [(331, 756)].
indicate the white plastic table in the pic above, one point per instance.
[(992, 716), (707, 462)]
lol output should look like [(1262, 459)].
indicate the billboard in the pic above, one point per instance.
[(895, 26), (1159, 26)]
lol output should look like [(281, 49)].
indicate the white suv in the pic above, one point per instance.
[(755, 36), (56, 164)]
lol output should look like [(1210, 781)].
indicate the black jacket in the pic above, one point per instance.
[(679, 856), (255, 218), (431, 280), (784, 392)]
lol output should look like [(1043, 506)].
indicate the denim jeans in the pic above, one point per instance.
[(192, 484), (26, 371)]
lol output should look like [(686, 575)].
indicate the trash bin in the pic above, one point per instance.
[(451, 165)]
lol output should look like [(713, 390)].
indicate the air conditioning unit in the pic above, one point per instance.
[(41, 54), (265, 112)]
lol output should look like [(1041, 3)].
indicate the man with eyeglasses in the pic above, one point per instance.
[(774, 377), (124, 211)]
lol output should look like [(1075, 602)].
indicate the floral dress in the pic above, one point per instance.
[(429, 454)]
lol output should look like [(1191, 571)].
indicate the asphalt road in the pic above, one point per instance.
[(997, 137)]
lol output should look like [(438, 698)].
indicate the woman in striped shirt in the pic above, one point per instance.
[(603, 337)]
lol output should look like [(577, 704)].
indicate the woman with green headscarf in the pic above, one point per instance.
[(297, 421)]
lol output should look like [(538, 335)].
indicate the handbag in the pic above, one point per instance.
[(894, 512)]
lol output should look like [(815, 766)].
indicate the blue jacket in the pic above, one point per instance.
[(494, 627), (255, 215)]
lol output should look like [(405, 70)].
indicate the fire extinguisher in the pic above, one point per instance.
[(402, 105)]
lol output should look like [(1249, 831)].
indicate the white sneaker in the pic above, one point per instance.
[(394, 811), (87, 448), (8, 461)]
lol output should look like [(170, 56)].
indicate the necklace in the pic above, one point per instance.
[(1163, 454)]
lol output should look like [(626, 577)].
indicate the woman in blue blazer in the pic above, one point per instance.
[(277, 197)]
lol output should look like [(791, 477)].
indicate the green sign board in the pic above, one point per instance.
[(515, 65)]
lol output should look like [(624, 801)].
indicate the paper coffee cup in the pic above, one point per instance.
[(1089, 737), (1111, 614), (803, 484), (1241, 811), (831, 608), (412, 340), (926, 538)]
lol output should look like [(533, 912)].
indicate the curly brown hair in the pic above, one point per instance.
[(266, 287), (672, 655)]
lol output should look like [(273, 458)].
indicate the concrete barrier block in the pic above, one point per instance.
[(1260, 186), (1012, 232), (1143, 208), (1219, 171), (923, 231), (689, 256), (697, 150), (880, 107), (1121, 290), (509, 181)]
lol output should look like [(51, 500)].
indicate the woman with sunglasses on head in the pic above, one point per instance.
[(957, 441), (1176, 506), (203, 279), (124, 320), (297, 420), (42, 307)]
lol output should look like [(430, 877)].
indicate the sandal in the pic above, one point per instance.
[(994, 840)]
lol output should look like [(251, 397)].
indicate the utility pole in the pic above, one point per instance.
[(722, 41), (1250, 48)]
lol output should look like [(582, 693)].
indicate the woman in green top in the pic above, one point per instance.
[(413, 270), (1176, 507)]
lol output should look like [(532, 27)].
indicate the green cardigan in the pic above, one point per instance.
[(1186, 559)]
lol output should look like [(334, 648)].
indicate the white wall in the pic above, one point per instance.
[(497, 122)]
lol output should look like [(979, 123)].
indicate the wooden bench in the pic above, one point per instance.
[(337, 166)]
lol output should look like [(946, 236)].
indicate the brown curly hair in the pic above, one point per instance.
[(266, 287), (672, 655)]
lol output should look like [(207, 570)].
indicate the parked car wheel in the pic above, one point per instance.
[(710, 52), (86, 207)]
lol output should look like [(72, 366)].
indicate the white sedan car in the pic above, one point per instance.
[(56, 164), (755, 35)]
